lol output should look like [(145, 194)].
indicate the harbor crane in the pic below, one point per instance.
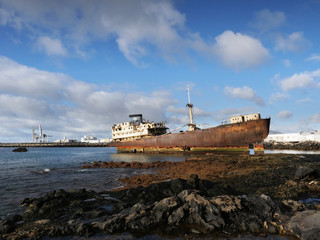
[(42, 137)]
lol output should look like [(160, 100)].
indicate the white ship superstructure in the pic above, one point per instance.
[(137, 128), (245, 118)]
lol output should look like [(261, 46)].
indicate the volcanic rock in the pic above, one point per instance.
[(306, 224), (306, 172), (20, 149)]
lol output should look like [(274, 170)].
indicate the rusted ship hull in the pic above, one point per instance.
[(233, 137)]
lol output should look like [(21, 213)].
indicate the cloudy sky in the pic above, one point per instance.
[(77, 66)]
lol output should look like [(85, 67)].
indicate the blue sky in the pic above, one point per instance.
[(77, 67)]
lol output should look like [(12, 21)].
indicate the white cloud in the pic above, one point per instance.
[(51, 46), (315, 118), (265, 20), (301, 80), (245, 93), (314, 57), (184, 111), (21, 80), (284, 115), (239, 51), (149, 28), (288, 127), (295, 42), (276, 97), (24, 107), (67, 107), (179, 116), (305, 100), (225, 114), (146, 25)]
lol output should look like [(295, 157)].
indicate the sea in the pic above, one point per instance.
[(40, 170)]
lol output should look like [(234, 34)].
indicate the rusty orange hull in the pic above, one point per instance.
[(237, 136)]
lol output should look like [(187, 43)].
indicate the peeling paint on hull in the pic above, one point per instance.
[(230, 137)]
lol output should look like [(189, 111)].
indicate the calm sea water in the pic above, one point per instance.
[(40, 170)]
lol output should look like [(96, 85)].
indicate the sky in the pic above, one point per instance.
[(78, 67)]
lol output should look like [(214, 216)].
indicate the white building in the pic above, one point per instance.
[(65, 140), (93, 139), (294, 137)]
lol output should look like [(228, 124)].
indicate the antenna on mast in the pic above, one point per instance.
[(191, 125), (188, 90)]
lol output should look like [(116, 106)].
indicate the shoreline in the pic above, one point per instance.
[(300, 146), (214, 195), (249, 174), (53, 144)]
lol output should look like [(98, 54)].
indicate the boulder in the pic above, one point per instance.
[(190, 208), (305, 172), (20, 149), (305, 225)]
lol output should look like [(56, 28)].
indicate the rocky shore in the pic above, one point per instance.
[(210, 196), (303, 146)]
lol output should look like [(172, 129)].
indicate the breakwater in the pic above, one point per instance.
[(53, 144)]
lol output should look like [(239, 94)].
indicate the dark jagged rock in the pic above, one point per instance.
[(211, 208), (20, 149), (6, 226)]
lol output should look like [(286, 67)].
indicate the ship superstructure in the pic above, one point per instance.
[(137, 128), (244, 118)]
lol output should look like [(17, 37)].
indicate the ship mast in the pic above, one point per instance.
[(191, 125)]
